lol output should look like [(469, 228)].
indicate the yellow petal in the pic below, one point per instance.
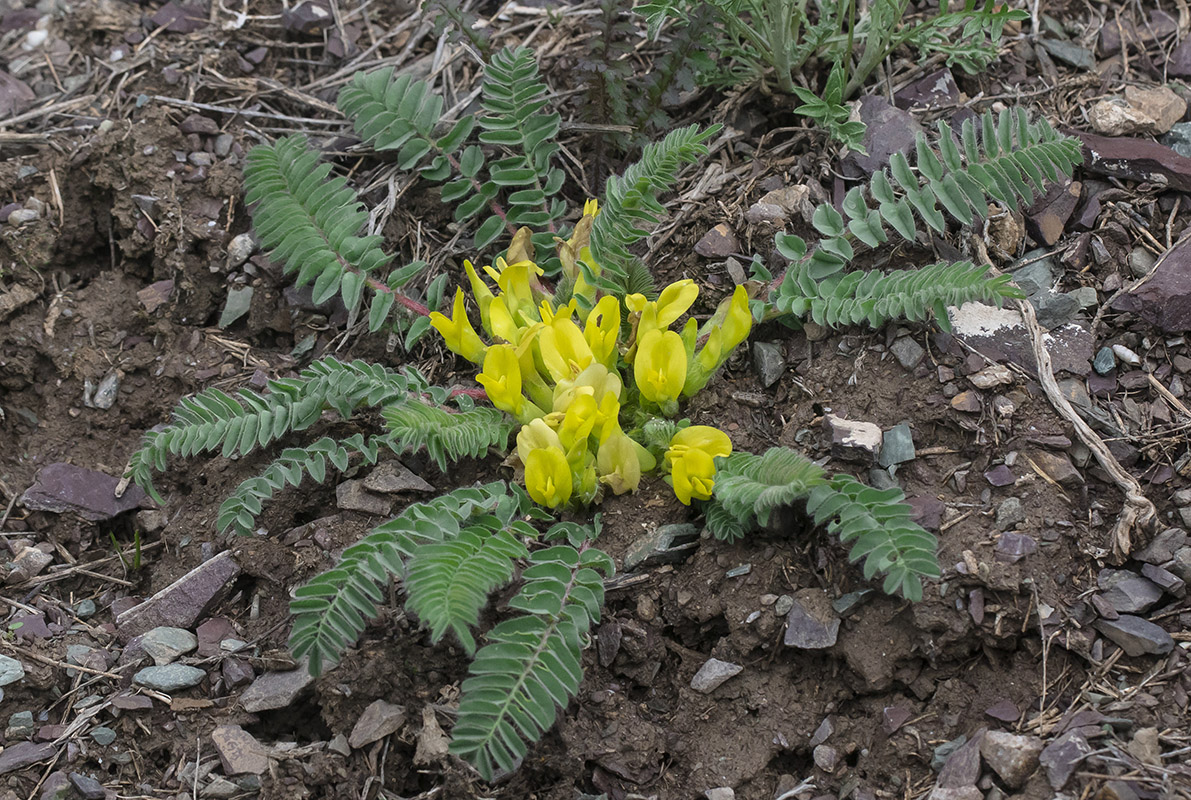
[(501, 378), (710, 440), (535, 436), (457, 332), (548, 477), (674, 301), (602, 331), (660, 366), (564, 350), (618, 464)]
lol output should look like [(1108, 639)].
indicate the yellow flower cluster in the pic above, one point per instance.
[(556, 369)]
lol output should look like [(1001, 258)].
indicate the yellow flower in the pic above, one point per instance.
[(548, 477), (482, 294), (564, 350), (738, 321), (536, 435), (521, 248), (501, 379), (660, 368), (692, 457), (457, 332), (618, 465), (602, 330), (515, 282), (577, 423)]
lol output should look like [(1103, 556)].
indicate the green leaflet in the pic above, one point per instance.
[(1010, 160)]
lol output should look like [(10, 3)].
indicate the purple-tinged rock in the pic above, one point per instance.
[(1135, 160), (1171, 584), (237, 672), (1004, 710), (24, 754), (378, 721), (62, 487), (30, 626), (889, 130), (1063, 756), (131, 702), (155, 295), (937, 88), (177, 18), (1013, 547), (963, 765), (56, 786), (893, 717), (927, 511), (1000, 475), (211, 633), (275, 689), (812, 624), (1136, 636), (1046, 219), (87, 787), (15, 95), (183, 602), (719, 242), (1165, 299), (1128, 592), (1000, 334), (1059, 467), (1012, 757)]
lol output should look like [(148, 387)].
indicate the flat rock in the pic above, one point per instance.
[(1165, 299), (962, 767), (1135, 160), (28, 563), (275, 689), (1069, 53), (392, 477), (23, 754), (664, 544), (967, 402), (1012, 757), (812, 624), (719, 242), (1136, 636), (1169, 582), (888, 130), (936, 88), (1127, 592), (1054, 309), (11, 670), (1047, 218), (378, 721), (87, 787), (239, 751), (853, 440), (183, 602), (992, 376), (169, 678), (1063, 756), (59, 488), (712, 675), (897, 446), (1058, 467), (165, 644), (353, 496), (1000, 334)]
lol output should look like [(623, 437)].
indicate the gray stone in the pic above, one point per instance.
[(765, 212), (1063, 756), (719, 242), (769, 362), (712, 675), (24, 754), (165, 644), (907, 352), (88, 787), (275, 689), (1182, 497), (392, 477), (1010, 513), (28, 563), (897, 446), (103, 735), (223, 144), (11, 670), (60, 488), (23, 216), (823, 732), (169, 678), (1126, 355), (956, 793), (1037, 276), (378, 721), (1165, 299), (1128, 592), (812, 623), (1054, 309), (20, 726), (826, 757), (239, 300), (1012, 757), (1000, 334), (239, 751), (236, 672), (239, 249), (1058, 467), (1105, 362), (888, 130), (183, 602), (220, 787), (720, 793), (1171, 584), (352, 496), (1069, 53), (782, 606), (1181, 563), (197, 123), (1141, 261), (992, 376), (1178, 139), (664, 544), (1136, 636), (1086, 297)]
